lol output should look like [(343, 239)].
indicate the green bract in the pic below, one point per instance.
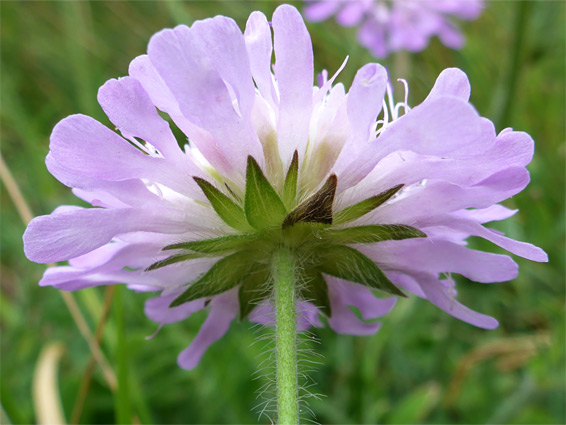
[(306, 225)]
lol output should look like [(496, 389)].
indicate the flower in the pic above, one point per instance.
[(270, 161), (389, 26)]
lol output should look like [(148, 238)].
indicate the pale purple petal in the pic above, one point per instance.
[(223, 309), (158, 310), (317, 11), (226, 49), (65, 235), (473, 228), (183, 62), (260, 48), (361, 297), (131, 110), (440, 295), (451, 82), (438, 256), (294, 70)]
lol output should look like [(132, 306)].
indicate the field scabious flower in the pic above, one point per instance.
[(387, 26), (270, 161)]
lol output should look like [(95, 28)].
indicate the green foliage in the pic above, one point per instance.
[(371, 233), (313, 288), (226, 209), (360, 209), (222, 276), (262, 204), (350, 264), (290, 186), (54, 57)]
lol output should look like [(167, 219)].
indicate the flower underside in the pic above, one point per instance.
[(266, 221)]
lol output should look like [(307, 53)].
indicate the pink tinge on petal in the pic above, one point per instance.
[(158, 310), (294, 70), (441, 296), (439, 256), (223, 309)]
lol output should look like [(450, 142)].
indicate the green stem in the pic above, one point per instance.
[(286, 337)]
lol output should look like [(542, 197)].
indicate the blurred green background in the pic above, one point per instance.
[(422, 367)]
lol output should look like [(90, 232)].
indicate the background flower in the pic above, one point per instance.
[(389, 26), (512, 361)]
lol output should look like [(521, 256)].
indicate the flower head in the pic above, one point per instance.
[(270, 161), (387, 26)]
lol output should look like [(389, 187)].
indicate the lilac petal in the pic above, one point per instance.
[(143, 70), (440, 296), (224, 43), (438, 256), (365, 100), (473, 228), (361, 297), (223, 309), (344, 321), (451, 82), (351, 14), (157, 309), (294, 70), (317, 11), (182, 60), (131, 110), (438, 197), (65, 235), (260, 48), (485, 215), (82, 144), (441, 126)]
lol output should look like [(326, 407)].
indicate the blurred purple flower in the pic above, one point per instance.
[(387, 26), (216, 86)]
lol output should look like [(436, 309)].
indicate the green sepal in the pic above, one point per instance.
[(371, 233), (262, 204), (172, 260), (214, 245), (349, 264), (317, 208), (290, 186), (222, 276), (226, 209), (362, 208), (254, 288), (313, 288)]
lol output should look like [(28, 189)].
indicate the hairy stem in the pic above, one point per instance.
[(286, 337)]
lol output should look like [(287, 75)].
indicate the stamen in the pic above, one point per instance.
[(391, 110)]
